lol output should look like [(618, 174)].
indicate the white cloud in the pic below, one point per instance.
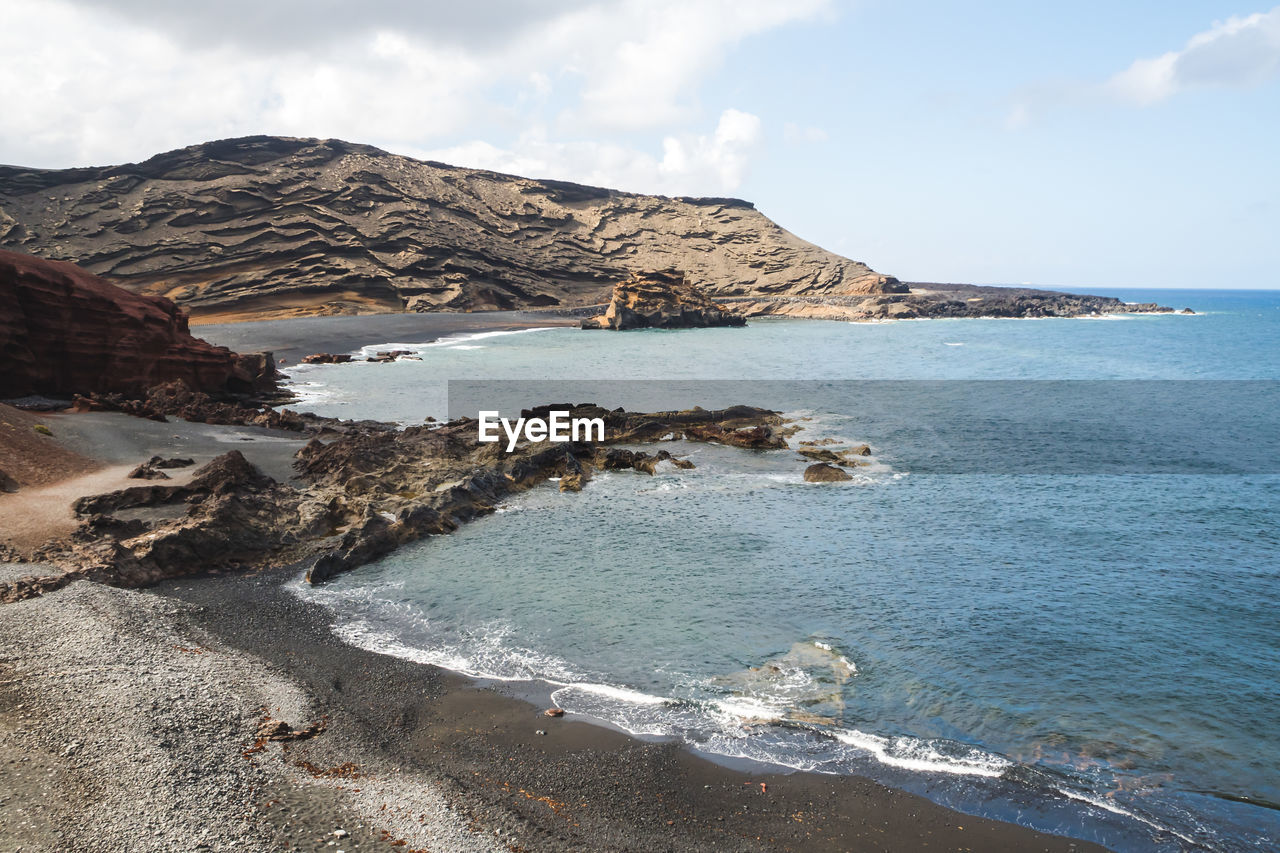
[(638, 76), (797, 134), (691, 164), (124, 79), (1236, 53), (1232, 53)]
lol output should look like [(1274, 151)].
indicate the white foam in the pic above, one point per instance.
[(725, 725), (1108, 805), (742, 709), (618, 694), (485, 657), (462, 341), (921, 756)]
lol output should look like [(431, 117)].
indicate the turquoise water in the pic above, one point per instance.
[(1091, 654)]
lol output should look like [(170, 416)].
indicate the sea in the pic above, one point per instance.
[(999, 612)]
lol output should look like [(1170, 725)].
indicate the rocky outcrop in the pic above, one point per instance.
[(763, 437), (822, 472), (175, 399), (661, 300), (326, 358), (267, 226), (153, 468), (359, 495), (942, 300), (64, 331), (838, 456)]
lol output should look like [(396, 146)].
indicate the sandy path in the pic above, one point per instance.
[(89, 454), (34, 516)]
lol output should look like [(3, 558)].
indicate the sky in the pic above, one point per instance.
[(1103, 144)]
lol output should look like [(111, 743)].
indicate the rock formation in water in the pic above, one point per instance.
[(822, 472), (661, 300), (267, 226), (64, 331)]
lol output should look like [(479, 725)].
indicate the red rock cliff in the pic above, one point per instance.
[(65, 331)]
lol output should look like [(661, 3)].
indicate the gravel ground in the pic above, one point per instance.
[(124, 728)]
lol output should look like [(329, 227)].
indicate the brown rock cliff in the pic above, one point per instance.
[(64, 331)]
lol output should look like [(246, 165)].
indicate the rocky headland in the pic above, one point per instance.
[(924, 301), (362, 490), (661, 300)]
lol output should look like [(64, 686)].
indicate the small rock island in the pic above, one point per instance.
[(662, 300)]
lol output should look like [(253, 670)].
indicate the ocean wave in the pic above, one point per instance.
[(744, 715), (486, 656), (907, 753), (1110, 806)]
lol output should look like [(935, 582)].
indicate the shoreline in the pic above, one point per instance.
[(390, 711), (291, 339), (151, 741), (437, 728)]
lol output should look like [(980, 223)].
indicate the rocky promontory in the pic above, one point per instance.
[(662, 300), (64, 331), (924, 301), (267, 226), (361, 491)]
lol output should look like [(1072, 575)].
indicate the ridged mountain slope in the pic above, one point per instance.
[(269, 226)]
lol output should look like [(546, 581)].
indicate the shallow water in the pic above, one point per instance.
[(1088, 653)]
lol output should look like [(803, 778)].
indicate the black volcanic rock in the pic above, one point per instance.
[(266, 226), (942, 300)]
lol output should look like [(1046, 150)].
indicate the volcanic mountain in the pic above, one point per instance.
[(270, 227)]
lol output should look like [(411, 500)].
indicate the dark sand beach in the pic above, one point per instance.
[(132, 719), (291, 340)]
